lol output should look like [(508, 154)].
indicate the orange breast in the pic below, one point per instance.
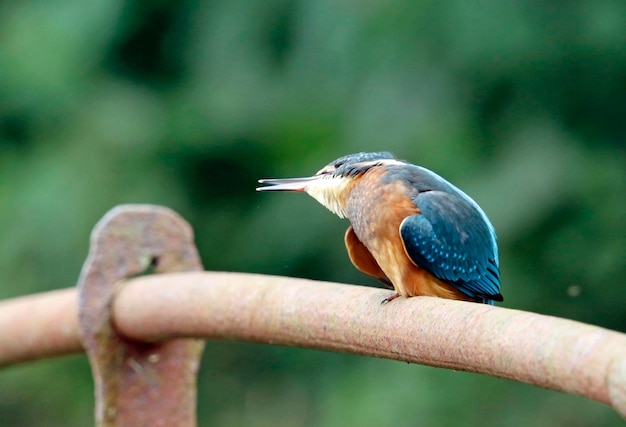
[(375, 210)]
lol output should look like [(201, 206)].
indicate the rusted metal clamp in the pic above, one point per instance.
[(137, 384)]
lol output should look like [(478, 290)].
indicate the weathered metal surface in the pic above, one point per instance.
[(542, 350), (137, 384), (38, 326)]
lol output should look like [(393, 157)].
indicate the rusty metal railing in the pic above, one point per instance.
[(144, 334)]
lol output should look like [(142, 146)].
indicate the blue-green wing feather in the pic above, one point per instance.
[(452, 240)]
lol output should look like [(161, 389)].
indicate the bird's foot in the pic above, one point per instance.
[(390, 298)]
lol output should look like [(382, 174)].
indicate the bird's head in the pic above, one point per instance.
[(331, 184)]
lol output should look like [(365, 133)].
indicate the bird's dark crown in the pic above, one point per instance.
[(354, 164)]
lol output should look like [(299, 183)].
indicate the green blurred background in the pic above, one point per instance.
[(187, 103)]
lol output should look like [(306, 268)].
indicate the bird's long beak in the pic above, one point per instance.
[(286, 184)]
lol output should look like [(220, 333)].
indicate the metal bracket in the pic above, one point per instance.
[(137, 384)]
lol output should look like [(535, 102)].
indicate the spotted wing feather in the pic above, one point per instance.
[(451, 239)]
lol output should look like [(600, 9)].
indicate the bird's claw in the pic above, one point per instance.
[(390, 298)]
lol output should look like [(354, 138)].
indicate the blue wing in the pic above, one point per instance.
[(452, 240)]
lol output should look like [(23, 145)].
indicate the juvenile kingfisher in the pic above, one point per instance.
[(410, 228)]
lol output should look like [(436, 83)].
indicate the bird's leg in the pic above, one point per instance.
[(390, 298)]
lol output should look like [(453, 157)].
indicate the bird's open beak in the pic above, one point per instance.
[(286, 184)]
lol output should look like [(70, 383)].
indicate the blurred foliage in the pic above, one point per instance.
[(188, 103)]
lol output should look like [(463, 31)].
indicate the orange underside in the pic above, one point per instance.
[(412, 280)]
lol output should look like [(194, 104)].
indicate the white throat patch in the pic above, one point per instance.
[(331, 193)]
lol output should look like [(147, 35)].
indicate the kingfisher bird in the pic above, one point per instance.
[(409, 228)]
